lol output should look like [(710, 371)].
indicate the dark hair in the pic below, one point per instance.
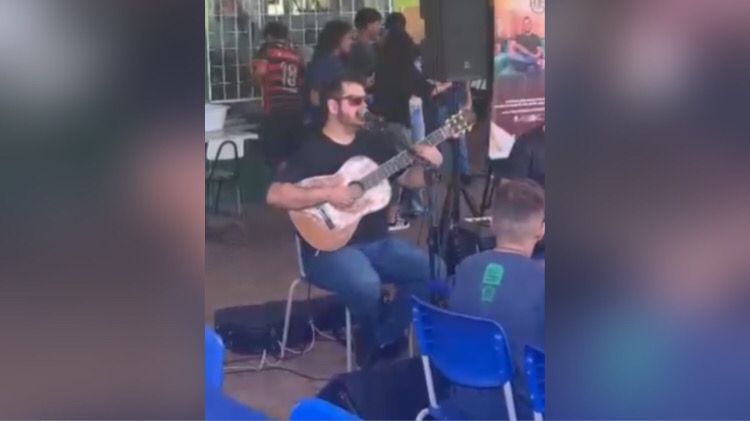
[(395, 63), (335, 88), (515, 203), (330, 37), (275, 29), (395, 21), (366, 16)]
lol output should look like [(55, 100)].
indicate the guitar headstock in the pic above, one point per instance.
[(461, 122)]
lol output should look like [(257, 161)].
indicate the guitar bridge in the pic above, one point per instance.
[(326, 218)]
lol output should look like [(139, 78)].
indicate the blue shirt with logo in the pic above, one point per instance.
[(509, 289)]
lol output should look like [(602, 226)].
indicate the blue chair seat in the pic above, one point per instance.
[(218, 406), (221, 407), (318, 409)]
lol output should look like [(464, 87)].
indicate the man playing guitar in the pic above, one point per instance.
[(355, 272)]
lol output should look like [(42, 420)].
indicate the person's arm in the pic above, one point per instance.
[(469, 100), (258, 70), (286, 193), (520, 48), (259, 66), (538, 52), (423, 87), (413, 177), (290, 196)]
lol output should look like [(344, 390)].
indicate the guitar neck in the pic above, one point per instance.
[(402, 160)]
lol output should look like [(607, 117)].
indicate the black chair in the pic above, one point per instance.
[(219, 176)]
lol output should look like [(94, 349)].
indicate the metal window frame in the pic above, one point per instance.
[(257, 14)]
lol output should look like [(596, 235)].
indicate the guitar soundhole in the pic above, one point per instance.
[(357, 187)]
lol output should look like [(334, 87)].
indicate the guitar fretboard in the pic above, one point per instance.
[(402, 160)]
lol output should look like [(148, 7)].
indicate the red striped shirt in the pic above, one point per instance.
[(282, 84)]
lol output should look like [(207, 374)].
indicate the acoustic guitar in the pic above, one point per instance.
[(328, 228)]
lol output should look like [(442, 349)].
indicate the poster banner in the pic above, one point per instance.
[(519, 51)]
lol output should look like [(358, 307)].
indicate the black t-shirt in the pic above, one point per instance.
[(529, 41), (362, 59), (319, 155)]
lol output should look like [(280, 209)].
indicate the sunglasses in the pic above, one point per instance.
[(353, 100)]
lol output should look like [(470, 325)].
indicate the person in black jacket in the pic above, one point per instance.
[(397, 79), (526, 159)]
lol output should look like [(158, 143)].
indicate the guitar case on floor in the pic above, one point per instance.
[(251, 329)]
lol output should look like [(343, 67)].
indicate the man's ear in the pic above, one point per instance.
[(542, 230), (333, 106)]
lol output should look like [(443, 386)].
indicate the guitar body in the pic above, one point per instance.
[(327, 228)]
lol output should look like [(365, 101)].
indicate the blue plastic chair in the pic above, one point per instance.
[(318, 409), (469, 351), (214, 360), (218, 406), (533, 363)]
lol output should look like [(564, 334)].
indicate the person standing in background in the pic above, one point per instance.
[(327, 65), (278, 69), (397, 79), (455, 99), (364, 55), (526, 159)]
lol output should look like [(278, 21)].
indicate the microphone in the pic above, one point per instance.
[(370, 118)]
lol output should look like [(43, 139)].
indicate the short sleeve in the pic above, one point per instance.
[(294, 170), (383, 144), (261, 53), (328, 70)]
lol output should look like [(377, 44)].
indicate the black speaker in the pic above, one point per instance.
[(395, 391), (457, 39)]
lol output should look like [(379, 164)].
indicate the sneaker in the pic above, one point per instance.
[(399, 225), (394, 350)]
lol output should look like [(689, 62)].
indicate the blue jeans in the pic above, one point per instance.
[(355, 273), (521, 61)]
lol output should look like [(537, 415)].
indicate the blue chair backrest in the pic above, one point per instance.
[(214, 360), (533, 363), (318, 409), (469, 351)]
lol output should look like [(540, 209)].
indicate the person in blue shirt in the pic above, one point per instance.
[(506, 285), (328, 64)]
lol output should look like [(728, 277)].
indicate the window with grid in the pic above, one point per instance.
[(233, 33)]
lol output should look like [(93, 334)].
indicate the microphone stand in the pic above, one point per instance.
[(432, 178)]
